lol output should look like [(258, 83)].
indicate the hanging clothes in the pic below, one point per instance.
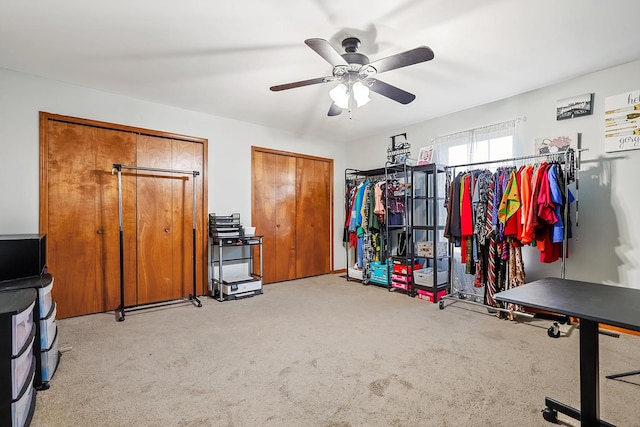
[(492, 215)]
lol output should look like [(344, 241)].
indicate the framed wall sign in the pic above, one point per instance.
[(557, 144), (622, 122), (425, 156), (576, 106)]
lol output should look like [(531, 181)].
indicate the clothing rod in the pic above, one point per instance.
[(120, 311), (513, 159), (120, 167)]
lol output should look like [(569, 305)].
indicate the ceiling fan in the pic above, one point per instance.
[(355, 73)]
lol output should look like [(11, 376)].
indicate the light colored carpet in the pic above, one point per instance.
[(324, 352)]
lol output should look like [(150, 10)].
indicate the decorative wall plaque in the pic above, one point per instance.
[(622, 122), (399, 150)]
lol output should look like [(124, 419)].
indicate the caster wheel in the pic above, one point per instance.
[(553, 331), (441, 305), (550, 415)]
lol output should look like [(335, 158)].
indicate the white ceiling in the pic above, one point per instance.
[(221, 57)]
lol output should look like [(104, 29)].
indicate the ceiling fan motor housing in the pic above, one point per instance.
[(351, 45)]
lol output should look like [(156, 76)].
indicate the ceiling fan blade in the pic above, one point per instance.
[(410, 57), (391, 92), (334, 110), (324, 49), (300, 83)]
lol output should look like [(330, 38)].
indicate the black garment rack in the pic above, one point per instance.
[(192, 297), (360, 176), (569, 157)]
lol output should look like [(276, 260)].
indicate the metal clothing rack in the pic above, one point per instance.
[(359, 176), (570, 157), (120, 311)]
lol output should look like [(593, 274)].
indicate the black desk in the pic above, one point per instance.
[(593, 304)]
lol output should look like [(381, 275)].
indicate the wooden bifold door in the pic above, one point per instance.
[(79, 214), (292, 208)]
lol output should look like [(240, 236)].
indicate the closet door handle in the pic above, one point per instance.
[(99, 231), (166, 230)]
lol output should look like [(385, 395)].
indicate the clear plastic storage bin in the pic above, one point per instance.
[(44, 296), (20, 408), (22, 323), (21, 366), (48, 328)]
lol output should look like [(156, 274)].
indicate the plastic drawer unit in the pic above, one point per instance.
[(22, 325), (49, 358), (17, 361), (22, 366), (45, 299), (48, 328), (22, 409)]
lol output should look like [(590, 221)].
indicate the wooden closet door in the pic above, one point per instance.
[(79, 214), (71, 218), (313, 217), (273, 213), (186, 156), (154, 221), (119, 147)]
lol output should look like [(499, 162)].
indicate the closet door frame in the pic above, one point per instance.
[(255, 149), (45, 117)]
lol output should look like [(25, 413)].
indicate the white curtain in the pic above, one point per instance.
[(471, 145), (495, 131), (443, 143)]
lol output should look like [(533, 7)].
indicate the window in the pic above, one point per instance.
[(493, 142), (485, 144)]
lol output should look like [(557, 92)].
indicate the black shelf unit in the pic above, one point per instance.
[(428, 218), (354, 177), (414, 215), (399, 205)]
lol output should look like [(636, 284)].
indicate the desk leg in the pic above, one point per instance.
[(589, 373), (589, 413)]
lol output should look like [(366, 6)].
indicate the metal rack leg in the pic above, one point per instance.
[(193, 297), (220, 297)]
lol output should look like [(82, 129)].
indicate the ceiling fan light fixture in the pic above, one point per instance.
[(340, 96), (355, 74), (361, 94)]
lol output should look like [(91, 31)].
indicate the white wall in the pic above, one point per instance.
[(606, 245), (23, 96)]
